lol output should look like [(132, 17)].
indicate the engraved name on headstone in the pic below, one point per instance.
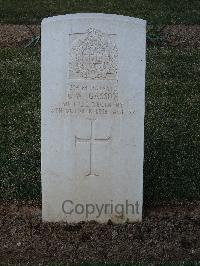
[(93, 80)]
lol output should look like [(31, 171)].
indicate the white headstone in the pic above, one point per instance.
[(93, 80)]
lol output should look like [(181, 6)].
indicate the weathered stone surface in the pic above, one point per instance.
[(93, 80)]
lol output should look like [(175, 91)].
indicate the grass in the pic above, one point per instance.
[(172, 139), (20, 123), (155, 11), (172, 121)]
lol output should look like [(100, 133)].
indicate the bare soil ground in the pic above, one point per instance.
[(173, 35), (170, 233), (182, 35), (17, 35)]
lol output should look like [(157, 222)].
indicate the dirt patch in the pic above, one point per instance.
[(182, 35), (172, 35), (17, 35), (166, 234)]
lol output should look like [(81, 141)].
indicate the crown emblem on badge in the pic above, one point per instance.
[(93, 56)]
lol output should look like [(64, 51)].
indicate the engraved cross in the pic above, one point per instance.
[(91, 140)]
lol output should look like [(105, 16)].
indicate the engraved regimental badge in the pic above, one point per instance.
[(93, 55)]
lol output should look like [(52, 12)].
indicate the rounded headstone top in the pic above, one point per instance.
[(103, 16)]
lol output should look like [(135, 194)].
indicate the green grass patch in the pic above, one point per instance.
[(20, 123), (172, 125), (155, 11)]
